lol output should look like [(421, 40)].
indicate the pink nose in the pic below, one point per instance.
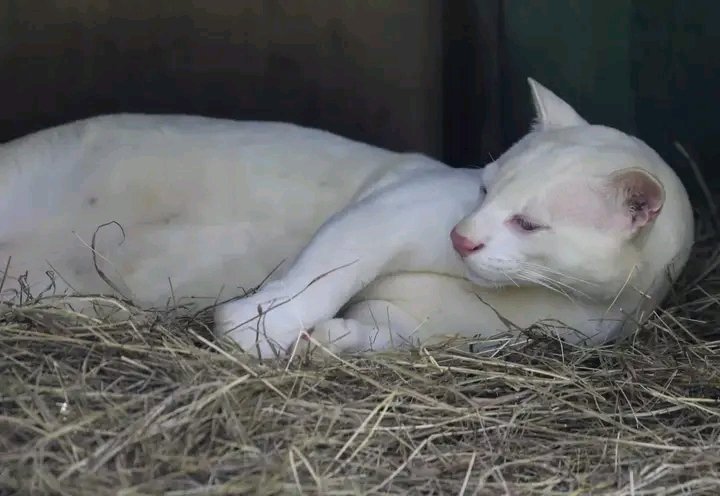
[(464, 246)]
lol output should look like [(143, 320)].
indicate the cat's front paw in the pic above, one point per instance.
[(266, 324)]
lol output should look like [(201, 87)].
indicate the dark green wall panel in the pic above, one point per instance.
[(649, 67)]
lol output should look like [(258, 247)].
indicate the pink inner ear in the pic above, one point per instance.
[(642, 196)]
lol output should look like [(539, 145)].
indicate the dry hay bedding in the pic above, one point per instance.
[(153, 405)]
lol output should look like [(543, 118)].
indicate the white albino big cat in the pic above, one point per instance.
[(578, 225)]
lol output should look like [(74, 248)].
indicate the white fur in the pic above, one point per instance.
[(215, 205), (210, 204), (594, 273)]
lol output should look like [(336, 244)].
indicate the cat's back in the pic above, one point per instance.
[(194, 190), (168, 162)]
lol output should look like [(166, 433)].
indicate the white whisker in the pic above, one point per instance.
[(510, 277), (535, 278), (537, 270), (540, 275), (556, 272)]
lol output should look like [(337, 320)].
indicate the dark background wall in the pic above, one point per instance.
[(649, 67), (444, 78), (370, 70)]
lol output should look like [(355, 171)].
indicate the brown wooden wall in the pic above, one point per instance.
[(447, 78), (371, 70)]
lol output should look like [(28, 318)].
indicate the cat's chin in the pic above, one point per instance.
[(486, 280)]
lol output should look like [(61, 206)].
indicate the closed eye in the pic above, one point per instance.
[(522, 223)]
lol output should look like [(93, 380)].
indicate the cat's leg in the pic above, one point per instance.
[(372, 325), (403, 228)]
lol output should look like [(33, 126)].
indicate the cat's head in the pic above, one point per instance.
[(570, 207)]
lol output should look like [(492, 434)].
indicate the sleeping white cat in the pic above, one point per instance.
[(581, 224)]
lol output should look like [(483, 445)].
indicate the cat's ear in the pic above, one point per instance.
[(489, 173), (552, 112), (639, 195)]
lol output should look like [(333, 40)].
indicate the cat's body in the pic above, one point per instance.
[(208, 203), (211, 206)]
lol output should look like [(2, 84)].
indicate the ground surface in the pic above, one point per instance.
[(153, 405)]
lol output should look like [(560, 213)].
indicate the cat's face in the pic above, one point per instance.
[(564, 207)]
